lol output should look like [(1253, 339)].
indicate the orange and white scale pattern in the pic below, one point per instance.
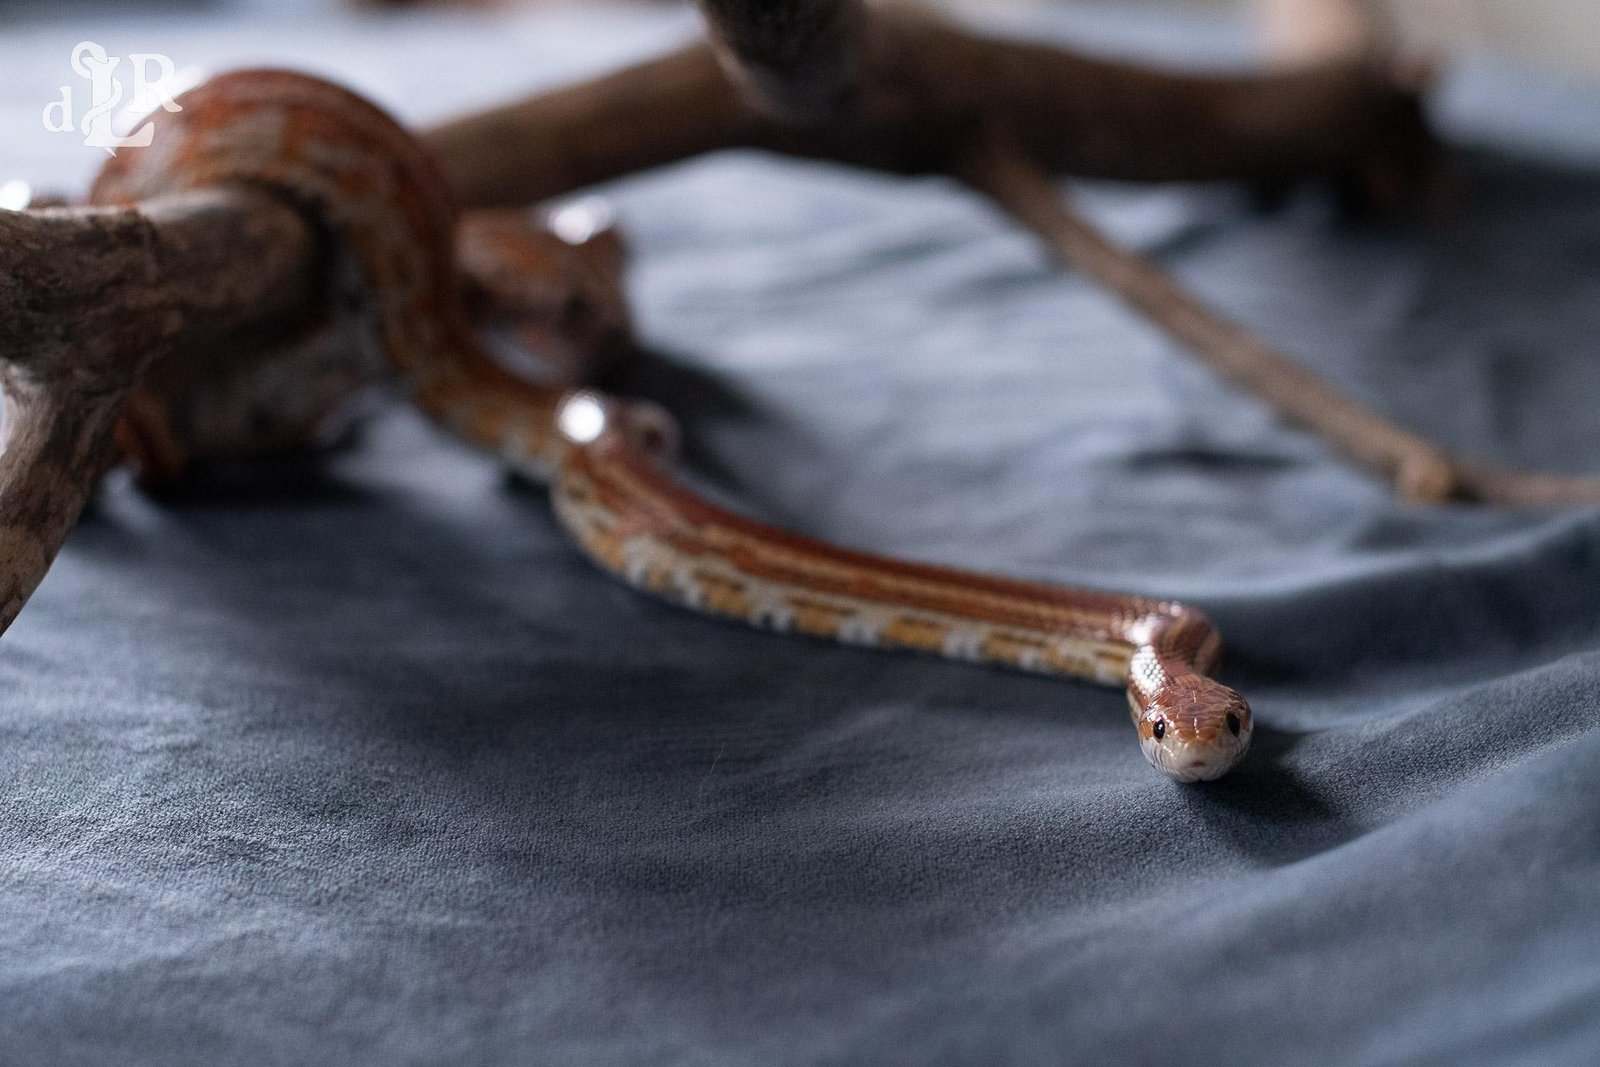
[(753, 576)]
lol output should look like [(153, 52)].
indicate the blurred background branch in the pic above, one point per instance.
[(1559, 34)]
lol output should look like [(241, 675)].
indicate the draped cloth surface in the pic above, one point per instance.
[(362, 763)]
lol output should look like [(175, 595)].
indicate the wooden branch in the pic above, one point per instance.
[(57, 442), (1420, 470), (89, 299), (658, 112), (931, 92), (800, 58), (926, 90), (93, 296)]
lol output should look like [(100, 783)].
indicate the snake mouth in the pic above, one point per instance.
[(1192, 761)]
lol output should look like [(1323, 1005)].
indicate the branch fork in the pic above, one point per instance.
[(102, 310)]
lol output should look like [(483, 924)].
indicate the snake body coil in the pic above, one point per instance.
[(379, 195)]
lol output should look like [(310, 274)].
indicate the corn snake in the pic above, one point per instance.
[(376, 191)]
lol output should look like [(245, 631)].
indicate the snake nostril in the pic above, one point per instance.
[(1159, 729), (1233, 724)]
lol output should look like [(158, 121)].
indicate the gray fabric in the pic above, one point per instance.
[(366, 765)]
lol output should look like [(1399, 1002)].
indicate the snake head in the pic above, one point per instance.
[(1194, 729)]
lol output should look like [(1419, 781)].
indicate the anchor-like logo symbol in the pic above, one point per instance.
[(91, 62)]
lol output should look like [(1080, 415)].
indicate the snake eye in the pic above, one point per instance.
[(1159, 729), (1233, 723)]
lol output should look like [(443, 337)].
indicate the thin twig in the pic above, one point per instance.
[(1420, 470)]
